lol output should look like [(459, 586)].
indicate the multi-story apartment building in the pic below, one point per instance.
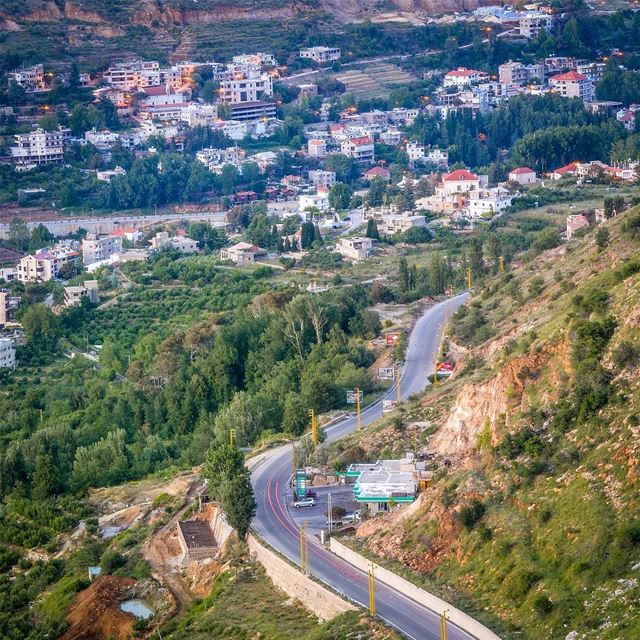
[(251, 111), (256, 59), (30, 78), (317, 148), (40, 147), (321, 54), (593, 70), (320, 178), (203, 115), (131, 76), (517, 73), (360, 149), (249, 87), (96, 249), (573, 85), (534, 22), (45, 264), (7, 354)]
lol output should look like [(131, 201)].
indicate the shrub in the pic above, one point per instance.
[(471, 514), (626, 354), (542, 605), (112, 561), (521, 582)]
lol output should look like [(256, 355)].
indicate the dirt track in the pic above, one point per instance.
[(162, 553)]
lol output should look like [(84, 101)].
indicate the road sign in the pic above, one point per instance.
[(352, 397), (301, 483), (386, 373), (391, 339), (388, 405)]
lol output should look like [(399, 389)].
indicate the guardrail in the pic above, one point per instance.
[(410, 590)]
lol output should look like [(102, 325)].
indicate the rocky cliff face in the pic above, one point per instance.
[(152, 13)]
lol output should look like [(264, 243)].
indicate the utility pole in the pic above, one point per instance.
[(232, 437), (329, 513), (469, 278), (314, 427), (443, 626), (293, 462), (435, 369), (372, 592), (501, 264), (398, 376), (358, 409)]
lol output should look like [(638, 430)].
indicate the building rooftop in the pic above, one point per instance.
[(571, 76), (196, 534), (459, 175)]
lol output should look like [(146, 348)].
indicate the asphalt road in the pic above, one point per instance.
[(275, 524)]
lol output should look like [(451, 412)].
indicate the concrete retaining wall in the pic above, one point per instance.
[(220, 527), (410, 590), (320, 601)]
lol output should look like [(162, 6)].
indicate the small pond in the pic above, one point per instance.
[(139, 608)]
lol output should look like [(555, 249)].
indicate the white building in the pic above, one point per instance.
[(242, 253), (360, 149), (354, 249), (7, 354), (40, 147), (321, 54), (415, 151), (75, 294), (322, 178), (462, 77), (109, 174), (523, 175), (317, 148), (215, 159), (97, 249), (30, 78), (44, 265), (533, 22), (199, 115), (251, 87), (517, 73), (102, 140), (318, 200), (400, 222), (573, 85), (256, 59), (487, 203), (163, 242), (460, 181)]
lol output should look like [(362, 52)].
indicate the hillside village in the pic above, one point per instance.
[(319, 320)]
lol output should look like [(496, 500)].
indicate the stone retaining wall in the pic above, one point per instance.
[(319, 600)]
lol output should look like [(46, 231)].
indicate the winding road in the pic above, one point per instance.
[(276, 526)]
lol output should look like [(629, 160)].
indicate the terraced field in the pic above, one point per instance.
[(374, 81)]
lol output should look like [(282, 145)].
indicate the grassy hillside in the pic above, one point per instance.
[(535, 525)]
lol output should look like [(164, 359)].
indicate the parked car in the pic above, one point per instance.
[(351, 517), (312, 494), (305, 502)]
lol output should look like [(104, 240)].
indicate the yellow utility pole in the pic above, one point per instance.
[(372, 593), (443, 626), (501, 264), (469, 278), (314, 427), (293, 461), (232, 437), (358, 409), (435, 369), (398, 375)]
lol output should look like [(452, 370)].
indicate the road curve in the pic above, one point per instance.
[(273, 521)]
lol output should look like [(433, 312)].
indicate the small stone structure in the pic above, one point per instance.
[(196, 540)]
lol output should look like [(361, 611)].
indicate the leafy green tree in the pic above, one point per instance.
[(602, 237), (308, 235), (222, 461), (41, 327), (340, 196), (372, 229), (238, 502), (19, 236), (376, 192)]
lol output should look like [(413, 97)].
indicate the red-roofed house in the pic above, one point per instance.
[(568, 170), (377, 172), (460, 181), (523, 175), (462, 77), (573, 85), (360, 149), (130, 233)]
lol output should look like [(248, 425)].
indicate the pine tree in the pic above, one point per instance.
[(372, 229)]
